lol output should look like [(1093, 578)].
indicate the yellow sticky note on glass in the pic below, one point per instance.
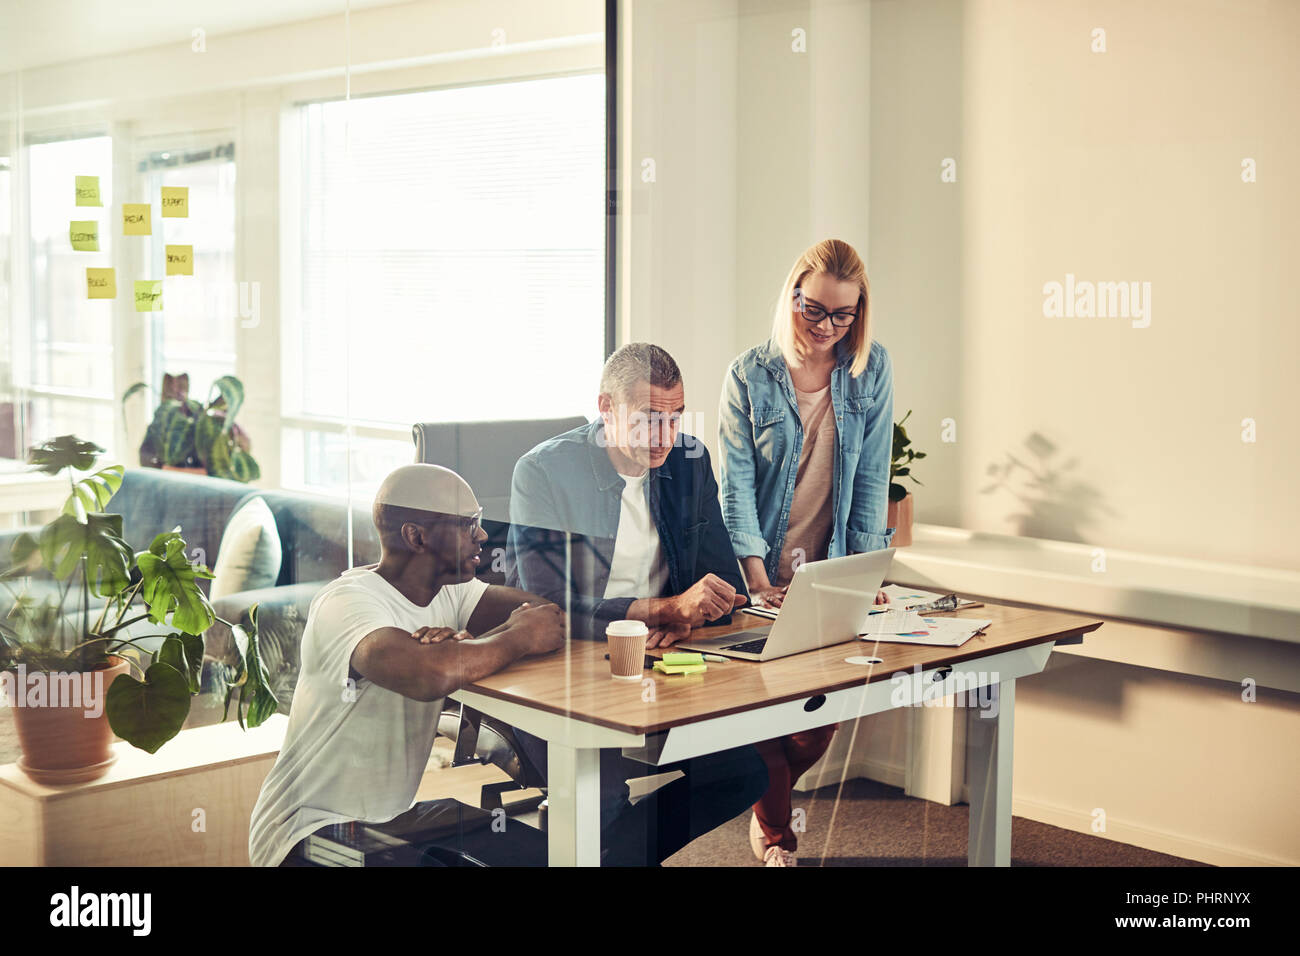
[(148, 295), (180, 260), (88, 191), (84, 235), (175, 202), (136, 219), (100, 284)]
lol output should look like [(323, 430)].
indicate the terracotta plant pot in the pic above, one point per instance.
[(900, 519), (197, 470), (61, 742)]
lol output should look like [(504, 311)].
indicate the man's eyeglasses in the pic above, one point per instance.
[(469, 524), (813, 314)]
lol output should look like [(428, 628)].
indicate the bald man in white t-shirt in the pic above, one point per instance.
[(383, 646)]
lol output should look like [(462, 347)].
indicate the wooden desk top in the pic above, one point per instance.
[(576, 682)]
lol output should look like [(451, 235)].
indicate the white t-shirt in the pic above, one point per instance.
[(638, 569), (351, 752)]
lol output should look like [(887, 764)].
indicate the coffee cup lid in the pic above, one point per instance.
[(626, 629)]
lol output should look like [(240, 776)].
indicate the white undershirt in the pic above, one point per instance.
[(638, 569)]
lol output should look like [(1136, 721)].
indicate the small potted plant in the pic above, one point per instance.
[(67, 675), (900, 499), (186, 435)]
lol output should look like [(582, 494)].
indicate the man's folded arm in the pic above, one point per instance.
[(390, 658)]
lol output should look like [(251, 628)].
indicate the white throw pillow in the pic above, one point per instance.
[(249, 556)]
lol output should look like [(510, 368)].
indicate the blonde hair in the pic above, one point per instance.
[(837, 259)]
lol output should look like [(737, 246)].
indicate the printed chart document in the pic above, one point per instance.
[(909, 627)]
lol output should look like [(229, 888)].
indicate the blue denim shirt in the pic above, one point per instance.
[(567, 486), (761, 439)]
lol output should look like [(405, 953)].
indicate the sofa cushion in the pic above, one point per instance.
[(249, 557), (152, 500), (314, 535)]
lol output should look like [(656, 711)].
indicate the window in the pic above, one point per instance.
[(452, 265), (196, 331), (9, 416), (69, 374)]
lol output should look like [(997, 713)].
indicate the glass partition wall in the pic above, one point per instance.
[(308, 233), (261, 244)]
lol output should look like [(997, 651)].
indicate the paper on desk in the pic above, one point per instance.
[(896, 626), (899, 595)]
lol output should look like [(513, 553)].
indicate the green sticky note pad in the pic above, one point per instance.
[(683, 657), (176, 202), (84, 235), (100, 284), (148, 295), (676, 669), (88, 191), (136, 219)]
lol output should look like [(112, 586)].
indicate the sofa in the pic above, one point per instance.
[(313, 540)]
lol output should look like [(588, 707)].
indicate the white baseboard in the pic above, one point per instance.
[(828, 772), (1149, 838)]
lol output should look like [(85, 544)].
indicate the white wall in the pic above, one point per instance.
[(1115, 166), (1123, 165)]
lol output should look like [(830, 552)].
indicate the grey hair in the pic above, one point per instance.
[(638, 362)]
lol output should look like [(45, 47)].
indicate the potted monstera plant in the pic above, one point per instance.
[(900, 499), (187, 435), (74, 677)]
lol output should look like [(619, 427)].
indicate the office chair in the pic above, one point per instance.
[(484, 454)]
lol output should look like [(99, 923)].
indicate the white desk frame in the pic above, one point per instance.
[(573, 745)]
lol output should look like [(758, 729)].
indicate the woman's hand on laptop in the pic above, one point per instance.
[(768, 596)]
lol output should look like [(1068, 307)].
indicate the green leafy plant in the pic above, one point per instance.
[(900, 465), (84, 545), (185, 433)]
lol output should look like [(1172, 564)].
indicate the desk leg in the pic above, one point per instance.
[(573, 806), (990, 742)]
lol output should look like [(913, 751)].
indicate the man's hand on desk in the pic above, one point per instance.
[(667, 635), (541, 627)]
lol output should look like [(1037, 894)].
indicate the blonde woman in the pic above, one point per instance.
[(806, 429)]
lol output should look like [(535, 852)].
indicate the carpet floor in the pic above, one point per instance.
[(873, 824)]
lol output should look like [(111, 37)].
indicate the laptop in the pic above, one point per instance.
[(826, 604)]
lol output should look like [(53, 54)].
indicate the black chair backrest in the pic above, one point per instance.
[(485, 453)]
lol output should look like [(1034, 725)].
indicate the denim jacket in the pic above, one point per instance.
[(761, 439), (567, 487)]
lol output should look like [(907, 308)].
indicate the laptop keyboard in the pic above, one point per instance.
[(748, 647)]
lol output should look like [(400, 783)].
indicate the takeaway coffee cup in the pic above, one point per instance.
[(626, 648)]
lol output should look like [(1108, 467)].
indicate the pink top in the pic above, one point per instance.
[(808, 534)]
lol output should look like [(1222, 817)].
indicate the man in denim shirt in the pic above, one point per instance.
[(637, 505)]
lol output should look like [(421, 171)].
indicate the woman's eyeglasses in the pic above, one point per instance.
[(813, 314)]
